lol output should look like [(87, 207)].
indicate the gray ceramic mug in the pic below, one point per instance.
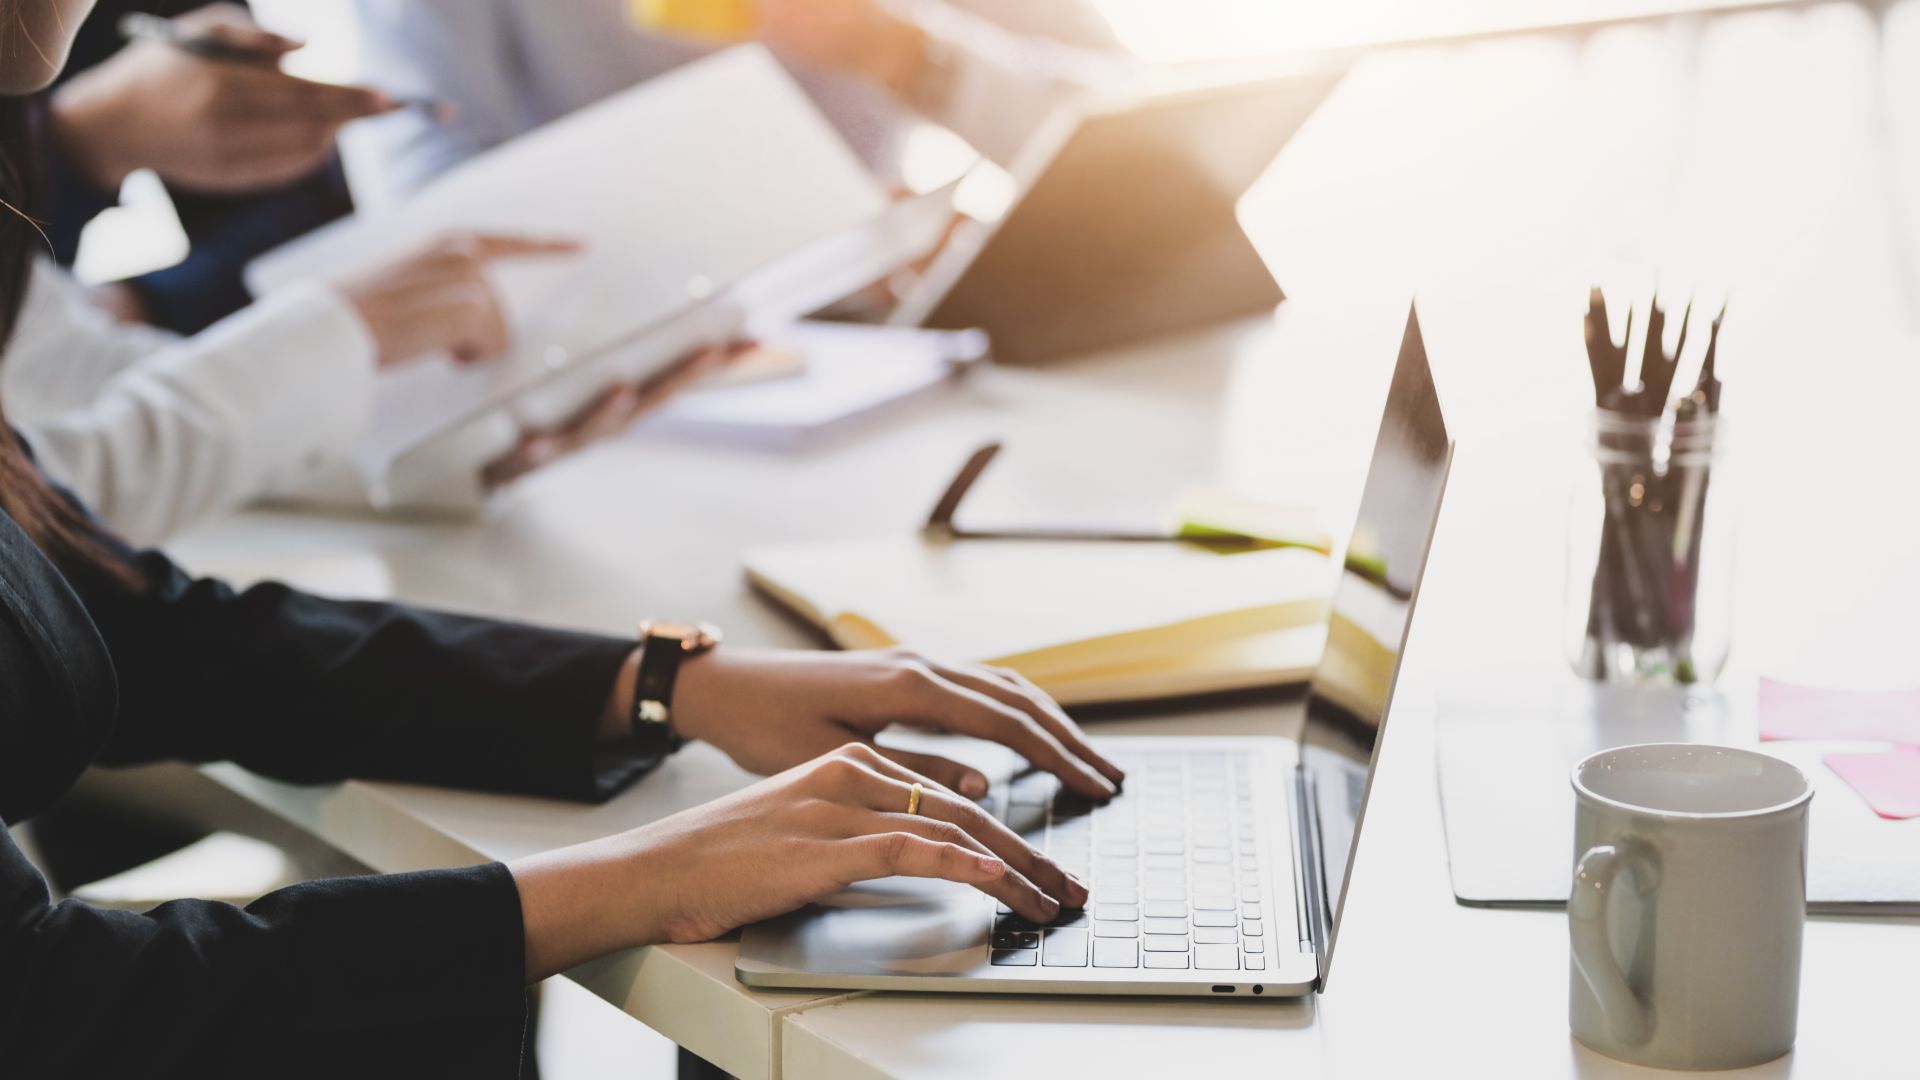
[(1689, 897)]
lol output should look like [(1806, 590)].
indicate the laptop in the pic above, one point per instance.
[(1221, 868), (1125, 227)]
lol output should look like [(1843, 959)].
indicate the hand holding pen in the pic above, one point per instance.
[(201, 100)]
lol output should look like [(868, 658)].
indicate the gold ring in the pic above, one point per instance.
[(913, 800)]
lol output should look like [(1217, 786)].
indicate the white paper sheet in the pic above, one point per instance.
[(849, 373)]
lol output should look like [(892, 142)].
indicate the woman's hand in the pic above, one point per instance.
[(439, 299), (772, 708), (609, 413), (798, 837), (209, 125)]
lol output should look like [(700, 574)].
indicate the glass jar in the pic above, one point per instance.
[(1650, 550)]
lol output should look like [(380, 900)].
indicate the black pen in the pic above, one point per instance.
[(141, 26)]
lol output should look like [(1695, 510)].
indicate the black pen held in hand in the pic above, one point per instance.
[(142, 26)]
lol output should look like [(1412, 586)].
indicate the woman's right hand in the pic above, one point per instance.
[(438, 298), (789, 840)]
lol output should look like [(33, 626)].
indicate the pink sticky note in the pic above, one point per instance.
[(1805, 712), (1889, 781)]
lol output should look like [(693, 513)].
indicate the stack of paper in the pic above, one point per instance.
[(1089, 622), (712, 201)]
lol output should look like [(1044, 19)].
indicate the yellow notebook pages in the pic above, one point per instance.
[(1086, 621)]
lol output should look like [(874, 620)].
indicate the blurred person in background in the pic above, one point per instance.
[(990, 70), (158, 432), (245, 151)]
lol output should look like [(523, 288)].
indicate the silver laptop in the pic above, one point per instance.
[(1222, 866)]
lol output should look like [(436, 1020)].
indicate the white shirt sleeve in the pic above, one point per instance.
[(68, 369), (155, 432)]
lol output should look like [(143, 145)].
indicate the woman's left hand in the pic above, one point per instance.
[(771, 709)]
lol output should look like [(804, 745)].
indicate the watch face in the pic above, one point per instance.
[(692, 637), (677, 631)]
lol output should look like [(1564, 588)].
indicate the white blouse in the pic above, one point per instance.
[(157, 432)]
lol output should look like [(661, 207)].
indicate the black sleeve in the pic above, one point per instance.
[(308, 689), (406, 974)]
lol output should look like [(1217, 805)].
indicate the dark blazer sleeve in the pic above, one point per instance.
[(308, 689), (395, 975), (401, 975)]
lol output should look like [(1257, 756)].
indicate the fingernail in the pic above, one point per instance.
[(973, 785), (991, 866), (1050, 906), (1079, 890)]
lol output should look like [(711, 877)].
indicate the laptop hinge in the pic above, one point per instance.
[(1313, 896)]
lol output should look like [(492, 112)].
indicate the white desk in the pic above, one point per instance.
[(1496, 180)]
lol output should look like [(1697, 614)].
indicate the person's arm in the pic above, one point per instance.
[(159, 433), (458, 52), (308, 689), (65, 349), (422, 972)]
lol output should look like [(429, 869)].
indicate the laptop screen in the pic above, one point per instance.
[(1372, 609)]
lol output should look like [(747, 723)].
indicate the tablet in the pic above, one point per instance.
[(1125, 228)]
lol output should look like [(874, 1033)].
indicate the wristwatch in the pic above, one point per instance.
[(663, 645)]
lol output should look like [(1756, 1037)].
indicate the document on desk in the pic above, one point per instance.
[(1089, 622), (712, 201)]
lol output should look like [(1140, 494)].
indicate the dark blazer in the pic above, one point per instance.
[(411, 974)]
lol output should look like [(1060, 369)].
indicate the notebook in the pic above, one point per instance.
[(1060, 612), (713, 201)]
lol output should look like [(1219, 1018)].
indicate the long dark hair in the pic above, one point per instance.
[(67, 536)]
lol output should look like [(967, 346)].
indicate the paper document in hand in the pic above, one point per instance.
[(710, 200), (1087, 621), (848, 372)]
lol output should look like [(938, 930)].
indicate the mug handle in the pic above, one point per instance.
[(1593, 881)]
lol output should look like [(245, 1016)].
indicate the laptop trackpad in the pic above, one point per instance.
[(897, 926)]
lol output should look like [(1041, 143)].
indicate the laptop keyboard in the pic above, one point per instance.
[(1172, 862)]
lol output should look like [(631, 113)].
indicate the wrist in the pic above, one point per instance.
[(87, 127), (590, 899), (616, 717), (692, 720)]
